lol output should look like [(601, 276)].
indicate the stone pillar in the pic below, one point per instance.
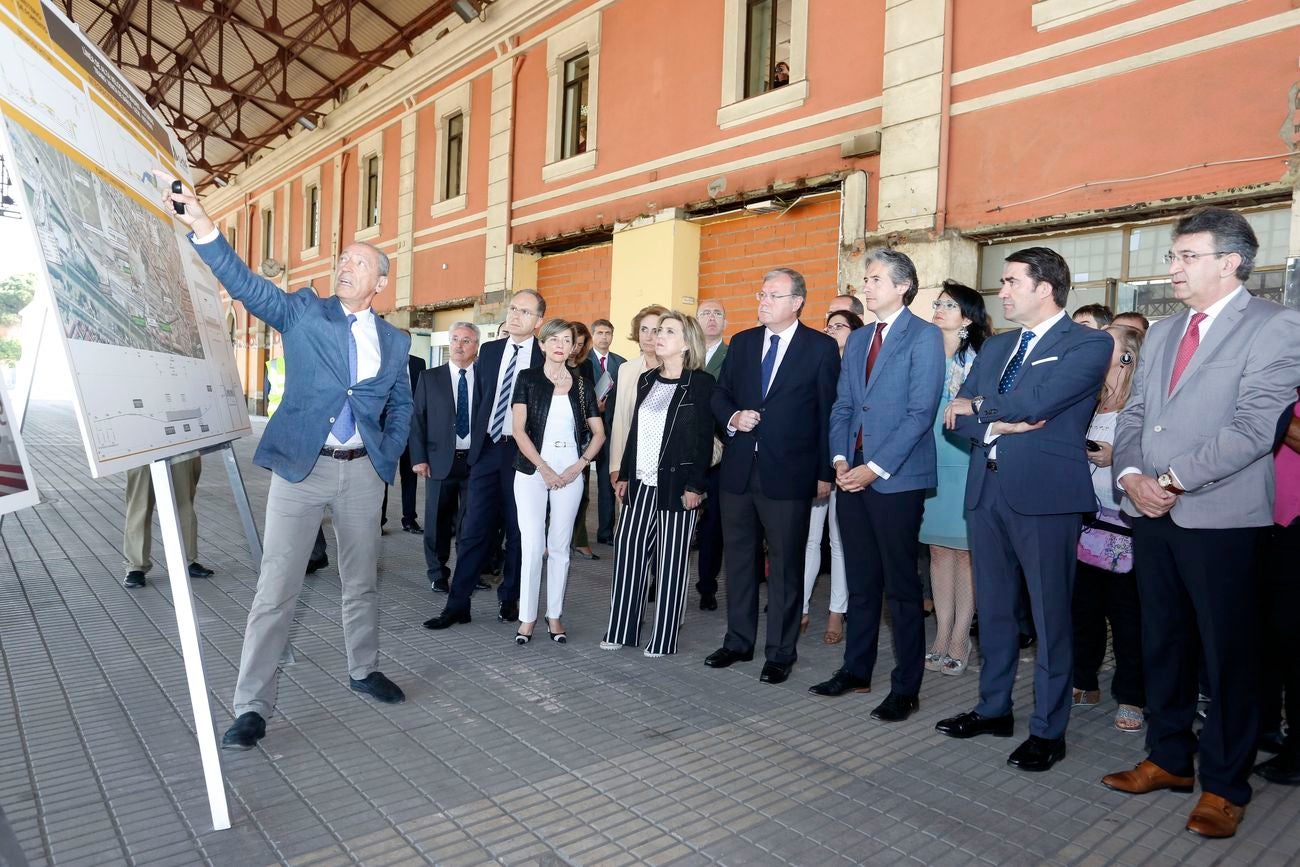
[(405, 255), (497, 264), (656, 260), (948, 258)]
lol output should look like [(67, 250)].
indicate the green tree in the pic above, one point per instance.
[(15, 294), (10, 350)]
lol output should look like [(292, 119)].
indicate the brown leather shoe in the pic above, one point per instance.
[(1147, 777), (1215, 816)]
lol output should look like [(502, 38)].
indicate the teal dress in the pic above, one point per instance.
[(944, 522)]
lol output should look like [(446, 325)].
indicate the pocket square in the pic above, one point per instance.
[(1044, 360)]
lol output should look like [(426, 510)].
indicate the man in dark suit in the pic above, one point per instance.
[(439, 446), (1026, 406), (774, 400), (491, 461), (712, 317), (1194, 455), (604, 362), (326, 446), (882, 442), (410, 520)]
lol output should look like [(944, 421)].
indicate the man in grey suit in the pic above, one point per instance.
[(1193, 449)]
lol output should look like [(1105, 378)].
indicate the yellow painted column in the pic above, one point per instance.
[(656, 260)]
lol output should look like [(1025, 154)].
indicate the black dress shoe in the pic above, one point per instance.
[(379, 688), (723, 657), (604, 540), (317, 565), (970, 724), (1027, 641), (774, 672), (708, 602), (412, 526), (1037, 754), (896, 708), (447, 619), (480, 584), (1283, 769), (1270, 742), (245, 733), (440, 586), (509, 612), (134, 579), (840, 683), (198, 570)]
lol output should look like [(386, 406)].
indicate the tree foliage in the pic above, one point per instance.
[(15, 294)]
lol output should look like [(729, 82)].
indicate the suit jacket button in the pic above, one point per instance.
[(331, 421), (1157, 428), (349, 392)]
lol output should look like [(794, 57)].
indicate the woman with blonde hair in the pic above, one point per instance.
[(645, 325), (662, 483)]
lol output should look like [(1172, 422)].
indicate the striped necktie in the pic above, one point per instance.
[(503, 395)]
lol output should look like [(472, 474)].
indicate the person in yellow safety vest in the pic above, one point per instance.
[(273, 390)]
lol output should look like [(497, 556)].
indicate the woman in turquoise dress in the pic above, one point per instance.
[(959, 312)]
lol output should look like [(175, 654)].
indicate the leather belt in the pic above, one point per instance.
[(503, 439), (560, 444), (344, 454), (462, 453), (991, 465)]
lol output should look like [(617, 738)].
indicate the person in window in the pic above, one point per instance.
[(781, 75), (558, 431), (1104, 586), (839, 324), (662, 484), (960, 314)]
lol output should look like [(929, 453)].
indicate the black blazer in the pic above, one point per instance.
[(687, 448), (433, 423), (793, 439), (486, 370), (414, 367), (535, 390)]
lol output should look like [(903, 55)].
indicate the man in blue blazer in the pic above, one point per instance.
[(491, 460), (439, 446), (883, 452), (604, 361), (1026, 406), (774, 402), (326, 446)]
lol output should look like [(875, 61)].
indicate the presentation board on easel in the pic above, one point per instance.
[(140, 315)]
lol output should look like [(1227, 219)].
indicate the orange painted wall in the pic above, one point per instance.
[(461, 278), (576, 284), (735, 254)]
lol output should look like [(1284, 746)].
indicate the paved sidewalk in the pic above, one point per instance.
[(542, 754)]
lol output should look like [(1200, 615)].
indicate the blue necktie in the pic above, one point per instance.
[(344, 424), (769, 363), (503, 396), (1013, 369), (462, 408)]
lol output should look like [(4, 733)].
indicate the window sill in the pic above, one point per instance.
[(449, 206), (310, 253), (1046, 14), (781, 99), (583, 162), (367, 233)]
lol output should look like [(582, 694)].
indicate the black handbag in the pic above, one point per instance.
[(584, 429)]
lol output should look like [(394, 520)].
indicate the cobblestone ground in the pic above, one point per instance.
[(541, 754)]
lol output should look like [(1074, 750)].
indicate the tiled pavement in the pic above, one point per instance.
[(544, 754)]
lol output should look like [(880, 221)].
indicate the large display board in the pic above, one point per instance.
[(141, 316)]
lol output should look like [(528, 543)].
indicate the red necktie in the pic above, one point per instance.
[(602, 363), (1186, 349), (876, 340)]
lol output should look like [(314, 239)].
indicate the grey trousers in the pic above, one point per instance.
[(137, 536), (353, 491)]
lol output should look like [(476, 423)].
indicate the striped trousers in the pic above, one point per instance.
[(646, 536)]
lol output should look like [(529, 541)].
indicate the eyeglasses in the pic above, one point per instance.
[(764, 296), (712, 314), (521, 311), (835, 326), (945, 305), (1187, 258)]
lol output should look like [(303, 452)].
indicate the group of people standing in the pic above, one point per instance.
[(990, 449)]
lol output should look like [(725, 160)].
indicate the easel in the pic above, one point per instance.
[(178, 573)]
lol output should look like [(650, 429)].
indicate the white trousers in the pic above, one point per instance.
[(812, 561), (531, 499)]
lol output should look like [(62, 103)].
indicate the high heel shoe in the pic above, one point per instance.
[(953, 666), (522, 639), (557, 637), (934, 661)]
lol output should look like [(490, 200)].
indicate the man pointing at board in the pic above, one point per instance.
[(326, 446)]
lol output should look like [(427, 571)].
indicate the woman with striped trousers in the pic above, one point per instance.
[(662, 482)]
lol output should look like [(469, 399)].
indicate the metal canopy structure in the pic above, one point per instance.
[(231, 76)]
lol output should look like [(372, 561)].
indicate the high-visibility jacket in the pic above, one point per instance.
[(274, 376)]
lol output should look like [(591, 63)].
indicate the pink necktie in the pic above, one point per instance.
[(1186, 349)]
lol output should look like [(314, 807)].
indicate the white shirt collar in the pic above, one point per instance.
[(1046, 325), (1217, 307), (784, 335), (890, 319)]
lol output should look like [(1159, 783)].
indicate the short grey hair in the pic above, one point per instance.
[(469, 325), (855, 304), (552, 327), (797, 285), (901, 270), (1232, 234), (380, 256)]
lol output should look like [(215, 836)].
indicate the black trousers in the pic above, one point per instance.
[(1198, 596), (747, 519), (444, 505), (491, 499), (1100, 596), (604, 497), (879, 535), (1280, 600), (709, 563), (410, 482)]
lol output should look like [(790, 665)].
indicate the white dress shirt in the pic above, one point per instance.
[(454, 373), (711, 351), (782, 345), (1039, 330), (522, 363), (889, 329), (367, 338)]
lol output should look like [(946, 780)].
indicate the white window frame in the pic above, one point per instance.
[(265, 204), (369, 147), (309, 180), (736, 109), (1046, 14), (458, 100), (581, 36)]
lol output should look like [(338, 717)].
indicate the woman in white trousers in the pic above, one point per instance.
[(558, 429)]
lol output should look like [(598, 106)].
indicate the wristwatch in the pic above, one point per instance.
[(1166, 481), (976, 403)]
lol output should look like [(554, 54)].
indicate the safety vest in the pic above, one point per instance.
[(275, 375)]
